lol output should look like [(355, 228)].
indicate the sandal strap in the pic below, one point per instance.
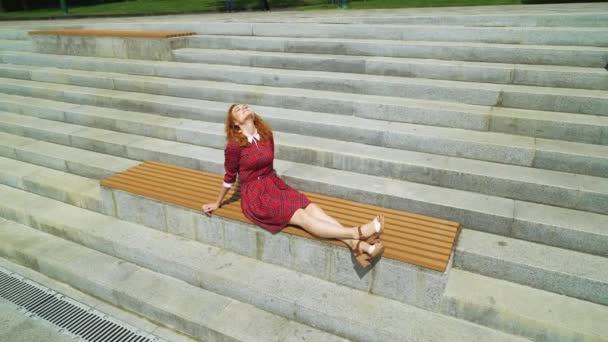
[(356, 250), (361, 236)]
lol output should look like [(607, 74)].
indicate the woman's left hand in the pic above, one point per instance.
[(209, 208)]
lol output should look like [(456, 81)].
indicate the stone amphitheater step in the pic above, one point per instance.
[(541, 124), (557, 226), (553, 269), (541, 186), (199, 313), (590, 19), (557, 36), (49, 183), (457, 304), (343, 93), (15, 45), (82, 192), (207, 275), (521, 74), (544, 221), (549, 225), (290, 251), (72, 160), (14, 34), (508, 149), (522, 310), (134, 320), (580, 56)]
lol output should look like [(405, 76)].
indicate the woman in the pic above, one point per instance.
[(268, 201)]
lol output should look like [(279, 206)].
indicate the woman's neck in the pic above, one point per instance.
[(248, 128)]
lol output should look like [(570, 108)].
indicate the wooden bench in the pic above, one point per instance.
[(410, 238), (114, 33)]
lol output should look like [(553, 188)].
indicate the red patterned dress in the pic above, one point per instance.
[(265, 198)]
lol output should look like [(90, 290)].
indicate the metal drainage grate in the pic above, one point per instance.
[(70, 317)]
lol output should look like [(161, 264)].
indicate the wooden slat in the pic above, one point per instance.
[(416, 239), (115, 33)]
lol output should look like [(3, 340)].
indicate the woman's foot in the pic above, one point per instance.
[(371, 229), (359, 249), (375, 249), (363, 251)]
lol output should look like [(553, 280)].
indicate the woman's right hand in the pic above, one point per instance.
[(210, 207)]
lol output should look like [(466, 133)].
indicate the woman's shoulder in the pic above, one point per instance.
[(233, 145)]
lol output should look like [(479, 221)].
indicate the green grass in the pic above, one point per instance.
[(127, 7), (188, 6)]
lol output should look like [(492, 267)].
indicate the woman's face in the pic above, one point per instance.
[(241, 113)]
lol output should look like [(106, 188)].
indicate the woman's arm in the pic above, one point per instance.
[(272, 142), (221, 196), (209, 207), (232, 156)]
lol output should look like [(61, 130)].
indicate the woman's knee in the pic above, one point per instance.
[(317, 211), (313, 208), (299, 217)]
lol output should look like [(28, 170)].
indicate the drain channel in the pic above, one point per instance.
[(70, 317)]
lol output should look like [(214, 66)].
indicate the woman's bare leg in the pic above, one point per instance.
[(327, 229), (320, 228), (319, 213), (316, 211)]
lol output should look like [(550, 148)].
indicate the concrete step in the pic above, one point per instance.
[(573, 36), (332, 308), (580, 56), (524, 19), (521, 310), (551, 225), (548, 225), (243, 239), (579, 192), (541, 124), (202, 314), (72, 160), (566, 272), (124, 316), (521, 74), (507, 149), (12, 34), (82, 192), (316, 90), (18, 175), (15, 45), (576, 36), (315, 84)]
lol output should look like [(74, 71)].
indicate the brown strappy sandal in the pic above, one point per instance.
[(374, 239), (378, 249), (376, 235), (362, 259)]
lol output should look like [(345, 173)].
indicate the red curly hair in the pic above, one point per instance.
[(233, 132)]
